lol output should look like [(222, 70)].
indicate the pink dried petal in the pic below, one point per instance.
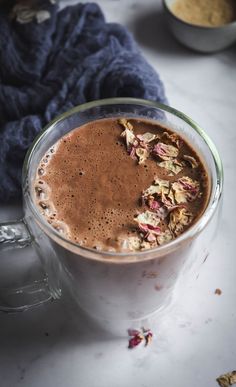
[(148, 227), (155, 230), (143, 227), (150, 237), (142, 154), (136, 340), (132, 152), (148, 338), (163, 212), (165, 151), (147, 137), (185, 189)]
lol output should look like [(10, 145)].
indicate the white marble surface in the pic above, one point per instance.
[(197, 343)]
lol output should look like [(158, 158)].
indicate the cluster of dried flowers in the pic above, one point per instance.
[(137, 337), (166, 201)]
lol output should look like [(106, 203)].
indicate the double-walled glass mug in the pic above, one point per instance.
[(109, 286)]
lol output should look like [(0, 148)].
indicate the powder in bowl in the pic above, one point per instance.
[(209, 13)]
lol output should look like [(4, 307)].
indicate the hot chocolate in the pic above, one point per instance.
[(121, 185)]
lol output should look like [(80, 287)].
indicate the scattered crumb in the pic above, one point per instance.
[(218, 291), (158, 287), (227, 379)]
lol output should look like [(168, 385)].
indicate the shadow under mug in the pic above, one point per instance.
[(109, 286)]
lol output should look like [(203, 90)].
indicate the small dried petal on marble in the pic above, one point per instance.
[(135, 340), (148, 338), (137, 337), (227, 379)]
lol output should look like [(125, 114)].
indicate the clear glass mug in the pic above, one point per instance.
[(109, 286)]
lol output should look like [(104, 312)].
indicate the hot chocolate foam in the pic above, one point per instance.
[(89, 188)]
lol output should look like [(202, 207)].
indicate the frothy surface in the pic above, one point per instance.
[(89, 188)]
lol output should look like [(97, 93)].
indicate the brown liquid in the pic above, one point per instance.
[(89, 188)]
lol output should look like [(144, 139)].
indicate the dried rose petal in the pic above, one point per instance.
[(162, 212), (146, 245), (165, 152), (142, 154), (148, 338), (148, 225), (132, 152), (171, 138), (179, 218), (227, 380), (147, 229), (165, 237), (185, 189), (171, 165), (154, 205), (148, 137), (151, 202), (151, 236), (158, 187), (148, 218), (136, 340), (134, 243), (125, 123), (191, 160), (129, 138)]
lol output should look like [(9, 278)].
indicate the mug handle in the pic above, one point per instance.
[(15, 235)]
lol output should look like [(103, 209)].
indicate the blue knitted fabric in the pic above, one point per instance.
[(47, 68)]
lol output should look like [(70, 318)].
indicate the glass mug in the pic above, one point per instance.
[(109, 286)]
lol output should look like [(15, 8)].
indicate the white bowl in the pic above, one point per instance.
[(199, 38)]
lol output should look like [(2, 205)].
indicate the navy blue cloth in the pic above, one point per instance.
[(47, 68)]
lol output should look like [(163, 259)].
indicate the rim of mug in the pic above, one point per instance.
[(126, 257)]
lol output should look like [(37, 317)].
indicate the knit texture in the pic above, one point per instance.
[(49, 67)]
